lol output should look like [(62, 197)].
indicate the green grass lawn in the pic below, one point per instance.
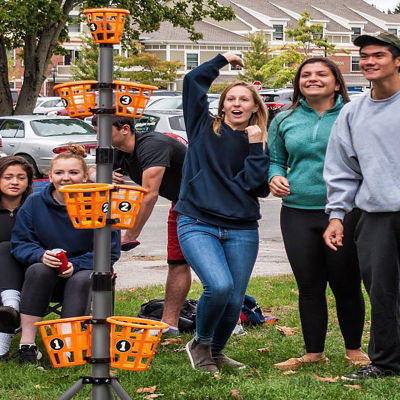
[(170, 370)]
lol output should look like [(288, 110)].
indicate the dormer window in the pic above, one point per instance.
[(278, 32), (356, 32)]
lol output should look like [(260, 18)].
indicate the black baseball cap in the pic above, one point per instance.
[(382, 38)]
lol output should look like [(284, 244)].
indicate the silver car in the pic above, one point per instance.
[(39, 138), (168, 122)]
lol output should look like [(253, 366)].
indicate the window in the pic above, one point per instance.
[(393, 30), (74, 25), (355, 66), (356, 32), (71, 57), (11, 129), (146, 123), (278, 32), (192, 60)]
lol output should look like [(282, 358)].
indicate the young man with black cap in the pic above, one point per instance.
[(362, 168), (154, 161)]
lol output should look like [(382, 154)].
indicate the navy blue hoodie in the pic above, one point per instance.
[(222, 175), (43, 224)]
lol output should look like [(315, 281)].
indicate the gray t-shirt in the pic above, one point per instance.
[(362, 164)]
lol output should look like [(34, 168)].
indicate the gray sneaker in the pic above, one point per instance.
[(200, 356), (223, 360)]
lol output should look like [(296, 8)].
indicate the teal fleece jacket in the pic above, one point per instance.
[(297, 142)]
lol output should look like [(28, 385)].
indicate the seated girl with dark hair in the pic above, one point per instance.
[(15, 186)]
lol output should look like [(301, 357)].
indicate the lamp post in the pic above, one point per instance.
[(53, 73)]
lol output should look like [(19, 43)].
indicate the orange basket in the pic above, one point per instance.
[(67, 340), (87, 204), (125, 204), (78, 98), (132, 98), (106, 24), (133, 341)]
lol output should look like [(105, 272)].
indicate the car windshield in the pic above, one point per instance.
[(270, 97), (61, 127), (167, 103)]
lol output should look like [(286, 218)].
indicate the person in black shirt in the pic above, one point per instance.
[(155, 162)]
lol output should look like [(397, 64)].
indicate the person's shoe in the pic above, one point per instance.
[(5, 357), (222, 360), (9, 319), (200, 356), (293, 363), (370, 371), (29, 354), (361, 359)]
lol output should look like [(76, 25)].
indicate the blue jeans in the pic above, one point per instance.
[(223, 259)]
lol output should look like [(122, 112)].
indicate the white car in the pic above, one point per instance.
[(39, 138), (44, 105)]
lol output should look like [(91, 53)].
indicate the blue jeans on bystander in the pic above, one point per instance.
[(223, 259)]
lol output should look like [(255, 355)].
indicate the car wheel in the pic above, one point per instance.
[(31, 161)]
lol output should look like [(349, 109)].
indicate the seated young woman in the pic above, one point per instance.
[(15, 186), (43, 225)]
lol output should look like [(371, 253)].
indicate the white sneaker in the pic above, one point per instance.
[(239, 331)]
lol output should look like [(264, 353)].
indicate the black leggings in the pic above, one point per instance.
[(42, 285), (314, 266), (11, 272)]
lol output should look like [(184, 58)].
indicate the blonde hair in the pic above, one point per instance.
[(260, 117), (73, 151)]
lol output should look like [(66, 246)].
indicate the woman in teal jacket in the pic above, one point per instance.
[(297, 141)]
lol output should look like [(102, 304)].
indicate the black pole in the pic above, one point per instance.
[(101, 285)]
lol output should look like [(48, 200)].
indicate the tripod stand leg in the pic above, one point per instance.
[(72, 391), (119, 390)]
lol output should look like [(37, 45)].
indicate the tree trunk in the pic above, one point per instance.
[(38, 51), (6, 106)]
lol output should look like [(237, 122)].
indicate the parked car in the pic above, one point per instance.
[(44, 105), (168, 122), (39, 138), (276, 100), (2, 154), (173, 103)]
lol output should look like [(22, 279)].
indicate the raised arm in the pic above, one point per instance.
[(195, 87)]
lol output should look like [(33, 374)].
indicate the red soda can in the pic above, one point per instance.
[(62, 256)]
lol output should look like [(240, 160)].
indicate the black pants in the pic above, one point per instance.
[(314, 266), (11, 272), (42, 285), (378, 245)]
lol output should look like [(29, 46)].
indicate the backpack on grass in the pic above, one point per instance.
[(153, 309), (251, 313)]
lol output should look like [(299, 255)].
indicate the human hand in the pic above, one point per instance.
[(50, 260), (333, 235), (254, 134), (118, 178), (67, 273), (233, 59), (279, 186)]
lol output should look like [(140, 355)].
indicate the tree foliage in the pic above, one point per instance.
[(38, 27), (397, 9), (87, 66), (308, 36), (257, 56), (281, 69), (149, 69)]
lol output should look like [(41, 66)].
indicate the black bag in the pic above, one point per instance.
[(187, 319), (251, 312)]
